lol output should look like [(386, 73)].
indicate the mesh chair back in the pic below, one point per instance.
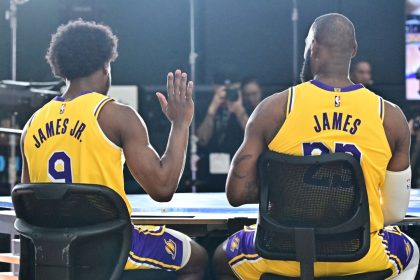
[(72, 230), (326, 193)]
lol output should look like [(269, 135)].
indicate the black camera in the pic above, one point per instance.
[(232, 94)]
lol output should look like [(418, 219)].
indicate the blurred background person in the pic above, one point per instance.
[(251, 93), (361, 73), (221, 132)]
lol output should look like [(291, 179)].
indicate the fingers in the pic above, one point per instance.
[(178, 88), (190, 89), (221, 92), (183, 85), (177, 83), (162, 101), (170, 85), (239, 96)]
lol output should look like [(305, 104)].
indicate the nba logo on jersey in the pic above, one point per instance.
[(337, 101), (62, 108)]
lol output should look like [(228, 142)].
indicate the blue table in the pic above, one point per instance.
[(201, 212), (187, 204)]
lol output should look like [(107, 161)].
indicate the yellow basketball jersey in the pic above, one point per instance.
[(322, 119), (64, 143)]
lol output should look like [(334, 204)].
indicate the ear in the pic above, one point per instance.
[(354, 52), (308, 46), (314, 49), (106, 68)]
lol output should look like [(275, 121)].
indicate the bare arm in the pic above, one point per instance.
[(242, 185), (159, 176), (206, 128), (237, 108), (395, 193), (205, 131), (241, 116), (267, 119), (398, 135)]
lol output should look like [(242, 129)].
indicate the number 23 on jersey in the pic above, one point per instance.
[(319, 148)]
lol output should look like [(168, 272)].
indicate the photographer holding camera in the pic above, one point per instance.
[(221, 132)]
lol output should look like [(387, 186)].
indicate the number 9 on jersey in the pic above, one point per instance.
[(59, 168)]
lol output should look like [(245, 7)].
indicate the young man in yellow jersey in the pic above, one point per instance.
[(84, 136), (324, 115)]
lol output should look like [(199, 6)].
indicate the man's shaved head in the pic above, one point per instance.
[(335, 32), (330, 46)]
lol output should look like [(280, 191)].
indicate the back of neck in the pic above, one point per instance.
[(76, 89), (338, 81)]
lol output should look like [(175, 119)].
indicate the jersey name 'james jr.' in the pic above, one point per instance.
[(59, 127)]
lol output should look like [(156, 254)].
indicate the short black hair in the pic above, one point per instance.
[(79, 48), (249, 80), (355, 63)]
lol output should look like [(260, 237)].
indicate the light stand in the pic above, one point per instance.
[(11, 15), (193, 138), (295, 18)]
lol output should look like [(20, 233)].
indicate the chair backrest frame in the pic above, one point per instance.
[(56, 262), (359, 219)]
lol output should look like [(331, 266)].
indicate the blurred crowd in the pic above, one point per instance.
[(221, 131), (220, 128)]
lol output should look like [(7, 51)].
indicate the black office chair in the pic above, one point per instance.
[(73, 231), (313, 208)]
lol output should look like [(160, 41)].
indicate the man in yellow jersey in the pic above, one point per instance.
[(84, 136), (324, 115)]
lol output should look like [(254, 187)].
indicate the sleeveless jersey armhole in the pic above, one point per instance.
[(100, 105), (290, 100), (381, 109), (289, 106), (96, 112)]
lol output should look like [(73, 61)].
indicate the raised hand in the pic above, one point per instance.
[(179, 107)]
